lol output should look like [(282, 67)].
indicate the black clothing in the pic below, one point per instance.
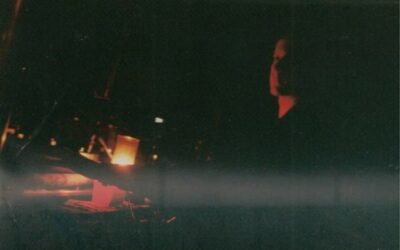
[(302, 139)]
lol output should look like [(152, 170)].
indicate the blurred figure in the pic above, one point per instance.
[(281, 84), (302, 134)]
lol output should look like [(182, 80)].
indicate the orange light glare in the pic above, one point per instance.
[(62, 179), (90, 156), (125, 151), (57, 193)]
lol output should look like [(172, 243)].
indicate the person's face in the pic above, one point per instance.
[(280, 82)]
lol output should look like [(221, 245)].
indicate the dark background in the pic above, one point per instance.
[(202, 66)]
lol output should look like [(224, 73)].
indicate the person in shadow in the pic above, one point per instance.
[(302, 135)]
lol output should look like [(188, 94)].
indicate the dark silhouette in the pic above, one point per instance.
[(302, 136)]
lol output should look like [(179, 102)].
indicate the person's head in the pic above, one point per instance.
[(298, 65), (281, 81)]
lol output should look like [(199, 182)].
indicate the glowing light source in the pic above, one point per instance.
[(125, 150), (53, 142), (154, 157), (20, 136), (158, 120)]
